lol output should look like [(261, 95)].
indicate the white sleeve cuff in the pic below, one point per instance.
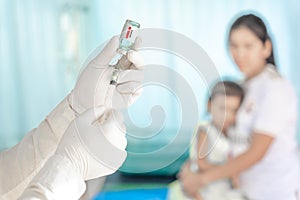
[(57, 180)]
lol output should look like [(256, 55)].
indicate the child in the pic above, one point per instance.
[(211, 146)]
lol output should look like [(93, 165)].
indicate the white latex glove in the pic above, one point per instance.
[(92, 146), (93, 84), (95, 147)]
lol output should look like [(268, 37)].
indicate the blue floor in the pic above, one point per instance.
[(135, 187), (134, 194)]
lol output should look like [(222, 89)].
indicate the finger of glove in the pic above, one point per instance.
[(133, 60), (114, 129), (116, 115), (130, 76), (130, 98), (109, 96), (118, 101), (109, 51), (99, 142), (122, 99), (111, 115), (136, 59), (99, 169), (137, 43), (123, 63), (92, 114), (113, 120), (129, 87)]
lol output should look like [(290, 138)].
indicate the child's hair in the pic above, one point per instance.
[(228, 88)]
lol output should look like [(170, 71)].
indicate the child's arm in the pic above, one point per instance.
[(235, 182), (202, 147), (259, 146), (202, 161)]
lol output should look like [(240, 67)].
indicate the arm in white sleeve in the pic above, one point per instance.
[(57, 180), (93, 146), (21, 163)]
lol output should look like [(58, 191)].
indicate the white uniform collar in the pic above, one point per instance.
[(268, 68)]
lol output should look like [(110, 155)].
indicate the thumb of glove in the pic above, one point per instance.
[(92, 115)]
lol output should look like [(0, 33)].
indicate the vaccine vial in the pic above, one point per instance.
[(127, 39), (128, 36)]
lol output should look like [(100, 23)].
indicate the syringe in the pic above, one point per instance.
[(127, 39)]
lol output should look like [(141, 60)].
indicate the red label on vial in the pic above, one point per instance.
[(128, 32)]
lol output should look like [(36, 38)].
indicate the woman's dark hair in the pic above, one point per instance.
[(258, 27), (228, 88)]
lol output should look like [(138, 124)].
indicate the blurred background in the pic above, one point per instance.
[(43, 45)]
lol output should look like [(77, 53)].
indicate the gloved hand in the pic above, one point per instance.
[(92, 146), (95, 142), (93, 86)]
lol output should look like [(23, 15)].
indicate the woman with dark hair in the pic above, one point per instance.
[(263, 141)]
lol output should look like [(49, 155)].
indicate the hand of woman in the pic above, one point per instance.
[(191, 181)]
